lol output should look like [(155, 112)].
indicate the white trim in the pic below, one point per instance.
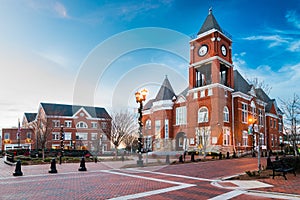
[(210, 87), (209, 60), (82, 109), (241, 95), (162, 105), (272, 115), (209, 32)]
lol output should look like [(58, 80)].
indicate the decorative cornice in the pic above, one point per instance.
[(242, 95), (210, 87), (209, 32), (209, 60)]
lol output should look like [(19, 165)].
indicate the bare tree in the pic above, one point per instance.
[(130, 141), (260, 84), (291, 110), (123, 124), (43, 130)]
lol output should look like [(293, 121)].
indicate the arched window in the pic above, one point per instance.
[(202, 115), (81, 125), (226, 114), (148, 124)]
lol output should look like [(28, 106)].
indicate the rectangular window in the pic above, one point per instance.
[(260, 117), (271, 122), (55, 123), (104, 125), (81, 136), (68, 124), (166, 129), (6, 136), (262, 139), (94, 125), (245, 138), (28, 135), (226, 137), (148, 143), (68, 136), (244, 113), (93, 136), (181, 115), (55, 136), (195, 95), (157, 129), (275, 121)]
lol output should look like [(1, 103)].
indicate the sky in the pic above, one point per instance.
[(100, 53)]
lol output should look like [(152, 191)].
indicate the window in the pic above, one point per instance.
[(272, 140), (68, 124), (6, 136), (226, 136), (271, 122), (244, 113), (68, 136), (200, 79), (157, 128), (226, 114), (55, 136), (148, 142), (81, 125), (166, 129), (180, 142), (81, 136), (93, 136), (55, 123), (260, 117), (262, 139), (28, 135), (94, 125), (202, 115), (104, 125), (181, 115), (104, 137), (274, 124), (245, 138), (203, 136), (148, 124)]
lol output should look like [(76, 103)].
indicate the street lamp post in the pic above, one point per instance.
[(140, 98), (62, 136), (253, 122)]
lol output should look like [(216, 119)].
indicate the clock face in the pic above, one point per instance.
[(203, 50), (223, 50)]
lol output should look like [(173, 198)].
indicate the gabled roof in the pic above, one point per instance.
[(165, 92), (69, 110), (210, 23), (240, 84), (30, 116)]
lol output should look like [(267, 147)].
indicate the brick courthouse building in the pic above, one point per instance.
[(213, 113)]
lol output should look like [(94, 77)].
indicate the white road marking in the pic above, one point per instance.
[(229, 195)]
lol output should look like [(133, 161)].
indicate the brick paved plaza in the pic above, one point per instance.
[(107, 180)]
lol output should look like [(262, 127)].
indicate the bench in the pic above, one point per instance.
[(10, 158), (283, 166)]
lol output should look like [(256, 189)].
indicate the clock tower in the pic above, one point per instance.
[(210, 85)]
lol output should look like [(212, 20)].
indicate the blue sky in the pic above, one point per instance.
[(56, 51)]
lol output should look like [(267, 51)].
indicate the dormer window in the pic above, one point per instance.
[(81, 125)]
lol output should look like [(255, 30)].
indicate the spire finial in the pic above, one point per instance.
[(210, 11)]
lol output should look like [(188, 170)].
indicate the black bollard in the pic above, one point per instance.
[(180, 159), (220, 156), (53, 166), (269, 163), (82, 165), (193, 157), (227, 155), (18, 171), (96, 160), (167, 159)]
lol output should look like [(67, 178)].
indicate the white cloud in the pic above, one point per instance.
[(293, 18), (275, 40), (54, 8), (294, 46)]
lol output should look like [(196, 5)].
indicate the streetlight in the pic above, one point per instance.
[(140, 97), (62, 136), (252, 122)]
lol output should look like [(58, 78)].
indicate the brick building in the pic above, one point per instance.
[(83, 127), (213, 113)]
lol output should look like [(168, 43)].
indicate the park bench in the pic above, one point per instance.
[(282, 167)]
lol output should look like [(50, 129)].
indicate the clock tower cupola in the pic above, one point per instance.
[(210, 56)]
